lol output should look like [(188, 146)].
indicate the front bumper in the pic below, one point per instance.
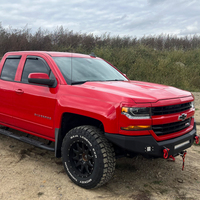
[(149, 146)]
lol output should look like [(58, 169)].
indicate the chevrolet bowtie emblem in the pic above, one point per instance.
[(182, 117)]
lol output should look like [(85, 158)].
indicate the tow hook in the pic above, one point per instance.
[(172, 157), (197, 139), (182, 154), (165, 153)]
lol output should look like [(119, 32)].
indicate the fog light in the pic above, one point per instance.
[(148, 149)]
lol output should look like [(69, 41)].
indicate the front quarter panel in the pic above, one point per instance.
[(106, 112)]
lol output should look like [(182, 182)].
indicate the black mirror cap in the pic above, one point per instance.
[(48, 82)]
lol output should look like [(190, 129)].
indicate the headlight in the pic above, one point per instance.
[(136, 113), (192, 104)]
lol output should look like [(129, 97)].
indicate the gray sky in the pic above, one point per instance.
[(117, 17)]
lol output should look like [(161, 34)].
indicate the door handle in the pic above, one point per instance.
[(19, 91)]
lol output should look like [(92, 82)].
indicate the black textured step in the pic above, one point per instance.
[(27, 140)]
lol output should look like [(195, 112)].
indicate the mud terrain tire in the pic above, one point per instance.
[(88, 158)]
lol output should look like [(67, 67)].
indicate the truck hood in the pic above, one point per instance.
[(139, 92)]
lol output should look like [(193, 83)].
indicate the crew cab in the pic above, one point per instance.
[(91, 111)]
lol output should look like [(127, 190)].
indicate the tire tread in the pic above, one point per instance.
[(106, 148)]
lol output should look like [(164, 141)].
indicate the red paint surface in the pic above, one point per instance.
[(38, 109)]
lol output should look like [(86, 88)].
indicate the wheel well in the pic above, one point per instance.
[(70, 121)]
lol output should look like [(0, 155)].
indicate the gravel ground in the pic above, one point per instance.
[(27, 172)]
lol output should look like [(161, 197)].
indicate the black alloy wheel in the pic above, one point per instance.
[(82, 159)]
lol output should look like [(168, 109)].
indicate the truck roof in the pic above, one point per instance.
[(51, 53)]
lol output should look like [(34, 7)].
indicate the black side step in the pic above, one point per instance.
[(27, 140)]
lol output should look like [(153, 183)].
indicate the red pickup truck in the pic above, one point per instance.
[(92, 112)]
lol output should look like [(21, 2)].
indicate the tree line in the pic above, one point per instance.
[(165, 59)]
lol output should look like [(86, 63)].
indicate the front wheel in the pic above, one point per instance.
[(88, 158)]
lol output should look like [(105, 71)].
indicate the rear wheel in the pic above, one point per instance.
[(88, 158)]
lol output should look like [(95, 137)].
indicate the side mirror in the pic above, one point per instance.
[(40, 78)]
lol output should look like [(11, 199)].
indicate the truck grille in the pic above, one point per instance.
[(164, 110), (164, 129)]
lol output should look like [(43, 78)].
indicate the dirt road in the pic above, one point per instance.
[(27, 172)]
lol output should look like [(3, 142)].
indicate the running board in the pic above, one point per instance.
[(26, 139)]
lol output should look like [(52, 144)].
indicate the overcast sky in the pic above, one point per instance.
[(117, 17)]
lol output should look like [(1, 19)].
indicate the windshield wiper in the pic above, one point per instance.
[(77, 82), (82, 82), (116, 80)]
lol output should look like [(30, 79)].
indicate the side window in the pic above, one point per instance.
[(10, 68), (34, 65)]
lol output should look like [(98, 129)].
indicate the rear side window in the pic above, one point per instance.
[(10, 68), (34, 65)]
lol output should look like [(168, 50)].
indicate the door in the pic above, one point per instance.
[(6, 88), (34, 105)]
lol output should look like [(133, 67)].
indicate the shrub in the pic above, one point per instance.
[(161, 59)]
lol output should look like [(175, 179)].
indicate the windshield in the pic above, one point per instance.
[(81, 70)]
